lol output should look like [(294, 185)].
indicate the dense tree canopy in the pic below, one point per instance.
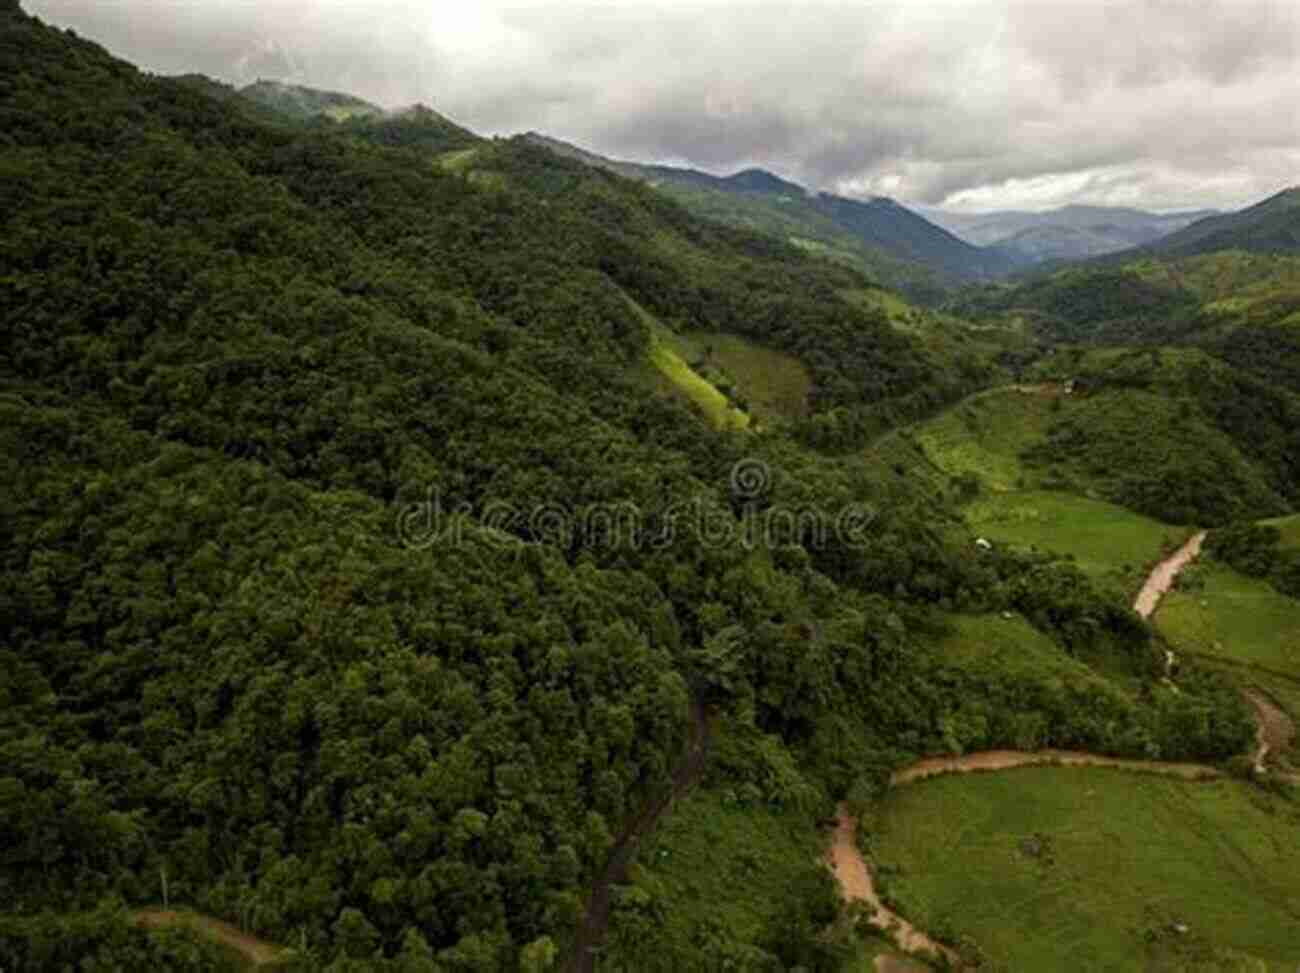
[(301, 621)]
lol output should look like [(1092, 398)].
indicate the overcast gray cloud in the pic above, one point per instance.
[(974, 104)]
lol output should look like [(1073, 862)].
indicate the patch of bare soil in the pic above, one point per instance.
[(257, 951), (1008, 759), (855, 879), (1275, 729)]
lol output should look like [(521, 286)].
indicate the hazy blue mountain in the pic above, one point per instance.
[(1067, 233)]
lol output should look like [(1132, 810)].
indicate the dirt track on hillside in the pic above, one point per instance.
[(595, 920), (855, 879), (1162, 578), (257, 951), (1275, 732)]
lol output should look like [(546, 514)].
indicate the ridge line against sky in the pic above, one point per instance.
[(969, 104)]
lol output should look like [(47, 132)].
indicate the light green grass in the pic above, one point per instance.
[(1290, 529), (486, 179), (877, 298), (1225, 614), (1126, 856), (775, 384), (1109, 543), (986, 433), (457, 161), (341, 113), (717, 410), (1012, 646)]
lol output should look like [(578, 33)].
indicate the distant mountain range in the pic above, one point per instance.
[(1067, 233), (922, 252)]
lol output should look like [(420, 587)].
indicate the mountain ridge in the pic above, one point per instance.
[(881, 225)]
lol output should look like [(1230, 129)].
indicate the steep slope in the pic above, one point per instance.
[(1271, 226), (1055, 243), (356, 585), (301, 102)]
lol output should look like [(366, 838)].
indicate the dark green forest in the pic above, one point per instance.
[(307, 619)]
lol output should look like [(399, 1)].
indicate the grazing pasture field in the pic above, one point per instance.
[(773, 383), (1219, 612), (1107, 542), (1010, 646), (985, 435), (1096, 869)]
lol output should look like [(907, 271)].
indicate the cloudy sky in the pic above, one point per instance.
[(971, 104)]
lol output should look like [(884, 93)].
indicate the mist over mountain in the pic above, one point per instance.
[(1066, 233)]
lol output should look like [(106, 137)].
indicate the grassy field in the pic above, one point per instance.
[(721, 372), (670, 353), (991, 643), (1109, 543), (985, 435), (773, 383), (1094, 869), (457, 161), (900, 312), (1219, 612), (715, 406)]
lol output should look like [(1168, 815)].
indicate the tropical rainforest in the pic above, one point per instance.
[(345, 588)]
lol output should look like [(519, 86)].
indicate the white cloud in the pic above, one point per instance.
[(1162, 103)]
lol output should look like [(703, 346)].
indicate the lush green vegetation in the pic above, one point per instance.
[(1049, 869), (1288, 529), (703, 394), (983, 439), (726, 870), (303, 103), (346, 590), (1267, 550), (768, 383), (1110, 544), (1219, 612)]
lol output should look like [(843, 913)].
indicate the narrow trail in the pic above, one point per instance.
[(594, 925), (1162, 577), (1275, 731), (259, 952)]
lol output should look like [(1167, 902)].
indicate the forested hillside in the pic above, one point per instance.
[(359, 588)]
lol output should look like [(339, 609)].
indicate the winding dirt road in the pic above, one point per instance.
[(595, 920), (855, 879)]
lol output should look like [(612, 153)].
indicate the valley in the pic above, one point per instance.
[(427, 551)]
